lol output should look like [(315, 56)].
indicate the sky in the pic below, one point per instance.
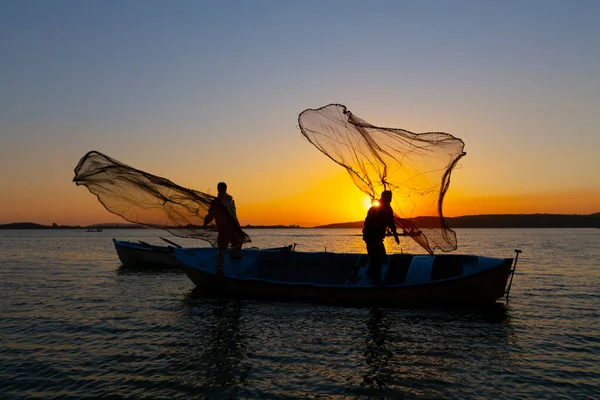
[(206, 91)]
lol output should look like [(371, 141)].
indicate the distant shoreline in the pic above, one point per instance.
[(500, 221), (101, 227), (467, 221)]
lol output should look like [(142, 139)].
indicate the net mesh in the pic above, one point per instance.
[(146, 199), (415, 167)]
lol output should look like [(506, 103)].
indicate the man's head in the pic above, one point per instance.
[(386, 196), (222, 188)]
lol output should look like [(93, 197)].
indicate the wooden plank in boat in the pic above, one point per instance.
[(359, 275)]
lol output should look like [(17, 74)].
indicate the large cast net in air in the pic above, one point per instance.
[(416, 167), (146, 199)]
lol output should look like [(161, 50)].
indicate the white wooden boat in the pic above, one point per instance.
[(145, 255), (405, 279)]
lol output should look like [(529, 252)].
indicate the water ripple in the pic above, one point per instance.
[(75, 324)]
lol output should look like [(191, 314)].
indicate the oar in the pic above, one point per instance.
[(171, 243)]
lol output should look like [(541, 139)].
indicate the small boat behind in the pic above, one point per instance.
[(405, 279), (145, 255), (150, 256)]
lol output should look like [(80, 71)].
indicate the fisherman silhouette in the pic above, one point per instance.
[(226, 225), (380, 217)]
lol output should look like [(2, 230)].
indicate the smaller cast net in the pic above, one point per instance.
[(146, 199), (416, 167)]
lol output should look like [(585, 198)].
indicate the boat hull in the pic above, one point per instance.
[(139, 255), (145, 255), (476, 288)]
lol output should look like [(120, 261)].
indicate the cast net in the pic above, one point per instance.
[(416, 167), (146, 199)]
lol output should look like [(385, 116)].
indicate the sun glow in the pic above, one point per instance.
[(367, 203)]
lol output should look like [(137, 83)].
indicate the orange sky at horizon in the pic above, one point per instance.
[(332, 199)]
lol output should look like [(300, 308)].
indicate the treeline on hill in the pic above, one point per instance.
[(32, 225), (501, 221), (526, 221)]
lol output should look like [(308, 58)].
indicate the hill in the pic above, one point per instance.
[(526, 221), (32, 225), (22, 225), (501, 221)]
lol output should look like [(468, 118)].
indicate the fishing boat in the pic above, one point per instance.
[(145, 255), (405, 279)]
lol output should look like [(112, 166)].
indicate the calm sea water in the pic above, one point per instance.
[(75, 324)]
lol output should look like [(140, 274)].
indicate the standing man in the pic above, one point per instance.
[(379, 218), (227, 225)]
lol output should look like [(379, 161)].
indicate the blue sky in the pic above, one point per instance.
[(199, 90)]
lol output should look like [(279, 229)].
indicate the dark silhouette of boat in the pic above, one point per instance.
[(145, 255), (405, 279)]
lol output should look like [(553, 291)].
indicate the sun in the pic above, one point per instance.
[(367, 203)]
